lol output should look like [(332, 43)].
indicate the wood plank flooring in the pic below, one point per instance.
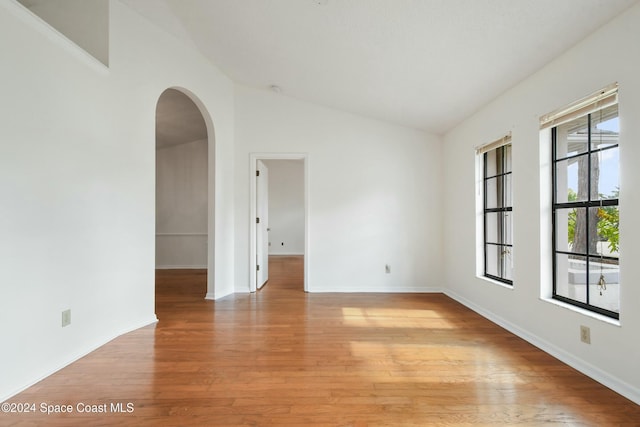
[(282, 357)]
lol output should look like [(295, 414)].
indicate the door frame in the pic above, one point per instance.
[(253, 159), (262, 226)]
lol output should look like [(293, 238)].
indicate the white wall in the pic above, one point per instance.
[(77, 185), (181, 205), (374, 193), (286, 207), (607, 56), (84, 22)]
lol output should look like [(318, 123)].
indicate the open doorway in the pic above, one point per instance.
[(182, 192), (279, 213)]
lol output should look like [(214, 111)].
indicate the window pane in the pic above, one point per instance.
[(604, 284), (585, 231), (490, 163), (506, 156), (498, 191), (507, 232), (507, 201), (605, 127), (572, 138), (507, 260), (499, 261), (606, 230), (566, 229), (493, 255), (493, 227), (493, 187), (498, 161), (605, 177), (499, 227), (571, 180), (571, 277)]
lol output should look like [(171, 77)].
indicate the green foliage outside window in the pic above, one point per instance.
[(608, 226), (572, 196)]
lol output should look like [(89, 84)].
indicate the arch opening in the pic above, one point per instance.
[(184, 190)]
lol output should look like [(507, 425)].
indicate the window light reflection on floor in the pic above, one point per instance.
[(451, 361), (394, 318)]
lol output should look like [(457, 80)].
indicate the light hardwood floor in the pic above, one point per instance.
[(282, 357)]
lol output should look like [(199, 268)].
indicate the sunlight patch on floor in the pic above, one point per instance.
[(425, 363), (394, 318)]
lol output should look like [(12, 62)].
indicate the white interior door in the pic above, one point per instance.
[(262, 224)]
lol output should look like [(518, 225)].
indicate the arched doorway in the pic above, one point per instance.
[(184, 196)]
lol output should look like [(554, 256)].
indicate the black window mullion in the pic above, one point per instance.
[(589, 307), (486, 187), (592, 201), (500, 178), (505, 209), (554, 211), (597, 150), (498, 175), (582, 254), (502, 191), (500, 230), (587, 204), (586, 222), (508, 245)]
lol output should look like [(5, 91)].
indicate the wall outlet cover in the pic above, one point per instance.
[(585, 334), (66, 318)]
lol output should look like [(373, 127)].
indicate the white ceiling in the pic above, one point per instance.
[(426, 64)]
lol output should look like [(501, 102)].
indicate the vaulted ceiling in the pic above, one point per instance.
[(426, 64)]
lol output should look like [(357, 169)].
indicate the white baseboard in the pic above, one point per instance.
[(213, 297), (286, 254), (616, 384), (384, 290), (79, 355), (181, 267)]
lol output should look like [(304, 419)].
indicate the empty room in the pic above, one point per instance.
[(319, 212)]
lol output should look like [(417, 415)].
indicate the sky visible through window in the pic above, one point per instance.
[(609, 160)]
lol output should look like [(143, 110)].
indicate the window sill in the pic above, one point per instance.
[(582, 311), (496, 282)]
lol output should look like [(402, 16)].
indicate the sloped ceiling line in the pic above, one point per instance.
[(426, 64)]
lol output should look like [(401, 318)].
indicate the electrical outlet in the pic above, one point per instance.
[(66, 318), (585, 334), (387, 269)]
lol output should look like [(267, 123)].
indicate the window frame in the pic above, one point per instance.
[(578, 204), (499, 176)]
